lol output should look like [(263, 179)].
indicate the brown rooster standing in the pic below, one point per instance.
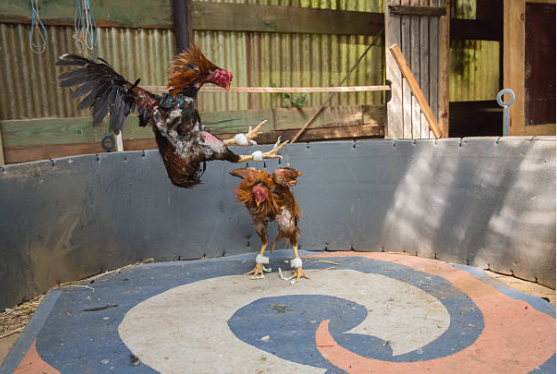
[(269, 198), (184, 143)]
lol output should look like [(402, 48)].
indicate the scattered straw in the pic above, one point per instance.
[(14, 320)]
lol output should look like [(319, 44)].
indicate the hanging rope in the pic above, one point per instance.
[(37, 26), (86, 33)]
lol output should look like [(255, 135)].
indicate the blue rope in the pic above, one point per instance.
[(86, 33), (38, 26)]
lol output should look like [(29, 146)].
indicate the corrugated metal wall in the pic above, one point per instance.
[(29, 87), (474, 68), (28, 81)]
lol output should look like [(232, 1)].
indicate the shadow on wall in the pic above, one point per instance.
[(484, 202)]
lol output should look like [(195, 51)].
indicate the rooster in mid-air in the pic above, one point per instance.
[(269, 198), (184, 143)]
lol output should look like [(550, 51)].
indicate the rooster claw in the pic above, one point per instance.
[(248, 137), (258, 156), (259, 271)]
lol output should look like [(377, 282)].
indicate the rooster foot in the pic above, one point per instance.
[(258, 271), (298, 274), (259, 156), (295, 277), (246, 139)]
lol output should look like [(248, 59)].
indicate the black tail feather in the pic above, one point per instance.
[(106, 90)]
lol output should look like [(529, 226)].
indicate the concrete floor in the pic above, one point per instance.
[(366, 312)]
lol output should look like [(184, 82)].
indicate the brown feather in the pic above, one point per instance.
[(189, 67), (279, 197)]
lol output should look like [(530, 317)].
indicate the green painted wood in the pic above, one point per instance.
[(128, 13), (283, 19), (237, 120), (205, 16), (77, 130)]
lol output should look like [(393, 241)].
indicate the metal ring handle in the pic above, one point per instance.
[(500, 97), (112, 143)]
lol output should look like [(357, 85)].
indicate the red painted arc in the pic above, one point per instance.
[(516, 339)]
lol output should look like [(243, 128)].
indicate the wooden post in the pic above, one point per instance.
[(514, 71), (443, 89), (420, 29), (183, 26), (2, 160), (416, 91), (394, 129)]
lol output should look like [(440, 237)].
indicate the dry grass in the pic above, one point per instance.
[(15, 319)]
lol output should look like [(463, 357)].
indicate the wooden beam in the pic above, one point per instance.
[(2, 159), (395, 127), (415, 88), (183, 25), (80, 130), (415, 10), (284, 19), (17, 154), (443, 80), (514, 60), (205, 16), (282, 89)]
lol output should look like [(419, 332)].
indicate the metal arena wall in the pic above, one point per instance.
[(486, 202)]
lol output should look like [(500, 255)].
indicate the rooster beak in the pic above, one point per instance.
[(227, 88), (257, 202)]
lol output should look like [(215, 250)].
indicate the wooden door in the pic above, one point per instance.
[(421, 29), (529, 65)]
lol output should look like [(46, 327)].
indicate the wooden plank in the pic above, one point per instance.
[(434, 62), (18, 154), (285, 19), (281, 89), (287, 119), (406, 46), (443, 69), (415, 49), (416, 91), (122, 13), (416, 10), (514, 60), (395, 127), (2, 159), (79, 130), (205, 16), (424, 69), (237, 120)]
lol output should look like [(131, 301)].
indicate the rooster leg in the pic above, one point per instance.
[(259, 270), (297, 263), (259, 156), (246, 139), (277, 240)]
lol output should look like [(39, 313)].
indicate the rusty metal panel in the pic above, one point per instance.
[(29, 80), (474, 70), (256, 59)]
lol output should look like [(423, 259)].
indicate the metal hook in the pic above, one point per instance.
[(505, 107)]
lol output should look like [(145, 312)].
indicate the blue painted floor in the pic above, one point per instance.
[(359, 313)]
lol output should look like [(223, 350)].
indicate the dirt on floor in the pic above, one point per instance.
[(12, 321)]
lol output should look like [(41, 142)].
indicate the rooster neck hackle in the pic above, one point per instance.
[(190, 68), (269, 207)]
